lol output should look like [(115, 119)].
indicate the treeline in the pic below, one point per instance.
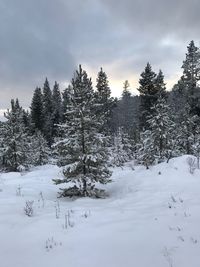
[(87, 129)]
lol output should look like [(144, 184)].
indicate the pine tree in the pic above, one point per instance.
[(126, 114), (15, 145), (161, 129), (160, 141), (37, 113), (178, 99), (57, 115), (191, 67), (196, 145), (146, 151), (127, 109), (187, 128), (122, 150), (191, 76), (26, 118), (66, 99), (86, 155), (105, 103), (39, 151), (103, 89), (1, 144), (160, 85), (47, 113), (148, 94)]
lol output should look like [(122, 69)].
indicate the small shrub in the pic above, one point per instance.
[(68, 222), (19, 191), (192, 164), (57, 209), (28, 209), (41, 202)]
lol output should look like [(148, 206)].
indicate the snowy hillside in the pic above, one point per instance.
[(151, 219)]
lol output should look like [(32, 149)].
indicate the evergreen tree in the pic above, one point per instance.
[(1, 144), (26, 120), (148, 94), (126, 108), (126, 88), (57, 108), (161, 129), (191, 67), (146, 151), (47, 113), (86, 155), (122, 150), (160, 85), (188, 131), (105, 103), (103, 89), (191, 76), (66, 99), (161, 141), (37, 114), (178, 99), (126, 116), (196, 146), (39, 152), (15, 143)]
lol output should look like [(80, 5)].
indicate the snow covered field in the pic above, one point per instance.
[(151, 219)]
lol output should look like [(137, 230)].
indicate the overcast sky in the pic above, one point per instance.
[(49, 38)]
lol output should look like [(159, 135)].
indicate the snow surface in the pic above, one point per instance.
[(149, 220)]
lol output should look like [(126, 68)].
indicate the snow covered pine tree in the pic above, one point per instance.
[(86, 156), (15, 142)]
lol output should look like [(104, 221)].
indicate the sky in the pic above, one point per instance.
[(50, 38)]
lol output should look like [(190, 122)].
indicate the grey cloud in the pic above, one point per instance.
[(157, 31), (30, 47), (42, 38), (158, 16)]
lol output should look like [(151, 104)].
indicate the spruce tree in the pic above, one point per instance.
[(47, 113), (160, 85), (27, 120), (127, 109), (146, 154), (191, 67), (161, 141), (105, 103), (188, 131), (196, 146), (148, 94), (86, 156), (66, 99), (37, 113), (57, 115), (39, 151), (178, 99), (122, 150), (161, 129), (15, 144), (1, 144), (191, 76)]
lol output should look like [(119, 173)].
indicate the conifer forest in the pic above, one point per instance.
[(86, 130)]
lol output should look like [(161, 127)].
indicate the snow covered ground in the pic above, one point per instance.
[(151, 219)]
